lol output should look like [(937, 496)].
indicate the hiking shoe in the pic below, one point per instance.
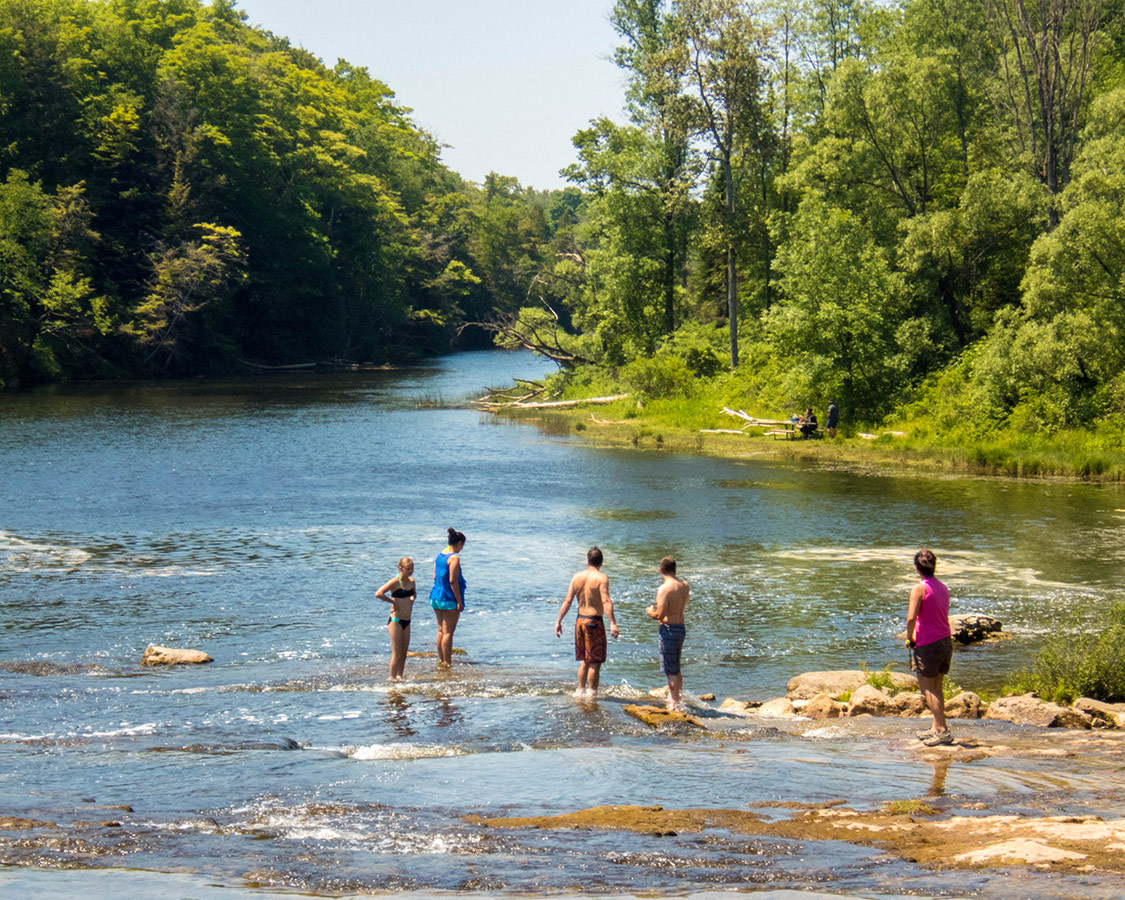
[(938, 738), (922, 735)]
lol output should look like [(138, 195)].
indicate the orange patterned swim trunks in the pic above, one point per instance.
[(589, 639)]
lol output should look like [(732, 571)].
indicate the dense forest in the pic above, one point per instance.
[(181, 193), (914, 208)]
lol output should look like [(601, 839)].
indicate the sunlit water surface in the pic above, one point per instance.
[(254, 518)]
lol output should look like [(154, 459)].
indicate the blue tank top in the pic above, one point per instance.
[(441, 595)]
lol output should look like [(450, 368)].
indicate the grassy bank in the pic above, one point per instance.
[(679, 424)]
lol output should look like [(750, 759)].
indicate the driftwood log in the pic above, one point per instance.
[(485, 403)]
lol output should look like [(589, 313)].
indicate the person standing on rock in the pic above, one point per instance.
[(931, 643), (668, 610), (447, 597), (591, 588)]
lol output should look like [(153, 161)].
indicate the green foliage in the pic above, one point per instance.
[(836, 325), (882, 680), (123, 125), (663, 375), (1079, 663)]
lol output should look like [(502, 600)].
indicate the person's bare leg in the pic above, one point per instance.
[(394, 652), (675, 684), (934, 698), (583, 674), (592, 677), (447, 624)]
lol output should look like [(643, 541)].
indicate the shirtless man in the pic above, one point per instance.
[(591, 588), (668, 610)]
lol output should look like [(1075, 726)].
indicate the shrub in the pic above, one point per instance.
[(662, 375), (1074, 664), (882, 680)]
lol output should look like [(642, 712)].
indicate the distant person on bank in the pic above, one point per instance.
[(668, 610), (931, 643), (833, 419), (590, 588), (447, 597), (807, 422), (403, 592)]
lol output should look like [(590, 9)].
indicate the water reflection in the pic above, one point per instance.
[(398, 714)]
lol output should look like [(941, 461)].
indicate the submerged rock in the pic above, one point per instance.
[(171, 656), (655, 716)]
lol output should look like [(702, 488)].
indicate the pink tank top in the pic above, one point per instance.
[(933, 617)]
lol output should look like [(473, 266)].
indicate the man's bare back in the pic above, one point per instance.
[(590, 588), (671, 598)]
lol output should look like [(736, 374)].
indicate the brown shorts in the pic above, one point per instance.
[(932, 660), (589, 639)]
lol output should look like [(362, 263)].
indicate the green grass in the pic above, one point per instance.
[(1079, 663)]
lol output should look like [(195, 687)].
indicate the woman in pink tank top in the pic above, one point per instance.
[(928, 637)]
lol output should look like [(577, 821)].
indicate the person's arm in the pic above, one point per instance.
[(381, 594), (912, 610), (455, 580), (656, 610), (564, 609), (608, 604)]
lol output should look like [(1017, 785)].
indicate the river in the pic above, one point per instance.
[(254, 518)]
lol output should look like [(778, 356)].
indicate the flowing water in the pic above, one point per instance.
[(254, 518)]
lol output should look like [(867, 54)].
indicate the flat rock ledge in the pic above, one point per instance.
[(846, 693), (657, 716), (927, 837), (171, 656)]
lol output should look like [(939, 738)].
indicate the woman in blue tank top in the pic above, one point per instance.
[(447, 597)]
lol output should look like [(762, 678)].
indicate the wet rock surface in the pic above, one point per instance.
[(155, 655)]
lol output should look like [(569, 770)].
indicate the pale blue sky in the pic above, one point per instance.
[(506, 83)]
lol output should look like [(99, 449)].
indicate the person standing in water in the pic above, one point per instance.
[(447, 597), (668, 610), (403, 591), (591, 588), (930, 642)]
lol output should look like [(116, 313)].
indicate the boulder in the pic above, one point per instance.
[(910, 704), (868, 700), (661, 693), (965, 705), (171, 656), (740, 707), (823, 707), (707, 698), (1027, 709), (969, 628), (808, 685), (781, 706), (1111, 713)]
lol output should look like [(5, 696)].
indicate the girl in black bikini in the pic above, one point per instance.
[(403, 591)]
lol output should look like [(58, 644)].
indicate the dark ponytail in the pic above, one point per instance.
[(455, 537)]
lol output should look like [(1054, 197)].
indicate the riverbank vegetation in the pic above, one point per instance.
[(1077, 663), (913, 209), (182, 194)]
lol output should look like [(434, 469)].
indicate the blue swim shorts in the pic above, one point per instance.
[(671, 643)]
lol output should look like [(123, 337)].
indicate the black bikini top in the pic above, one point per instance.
[(400, 593)]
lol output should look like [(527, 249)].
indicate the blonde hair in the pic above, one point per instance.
[(404, 562)]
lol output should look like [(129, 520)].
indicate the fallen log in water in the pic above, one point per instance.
[(549, 404)]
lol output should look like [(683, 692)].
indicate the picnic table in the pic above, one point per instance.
[(778, 428)]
